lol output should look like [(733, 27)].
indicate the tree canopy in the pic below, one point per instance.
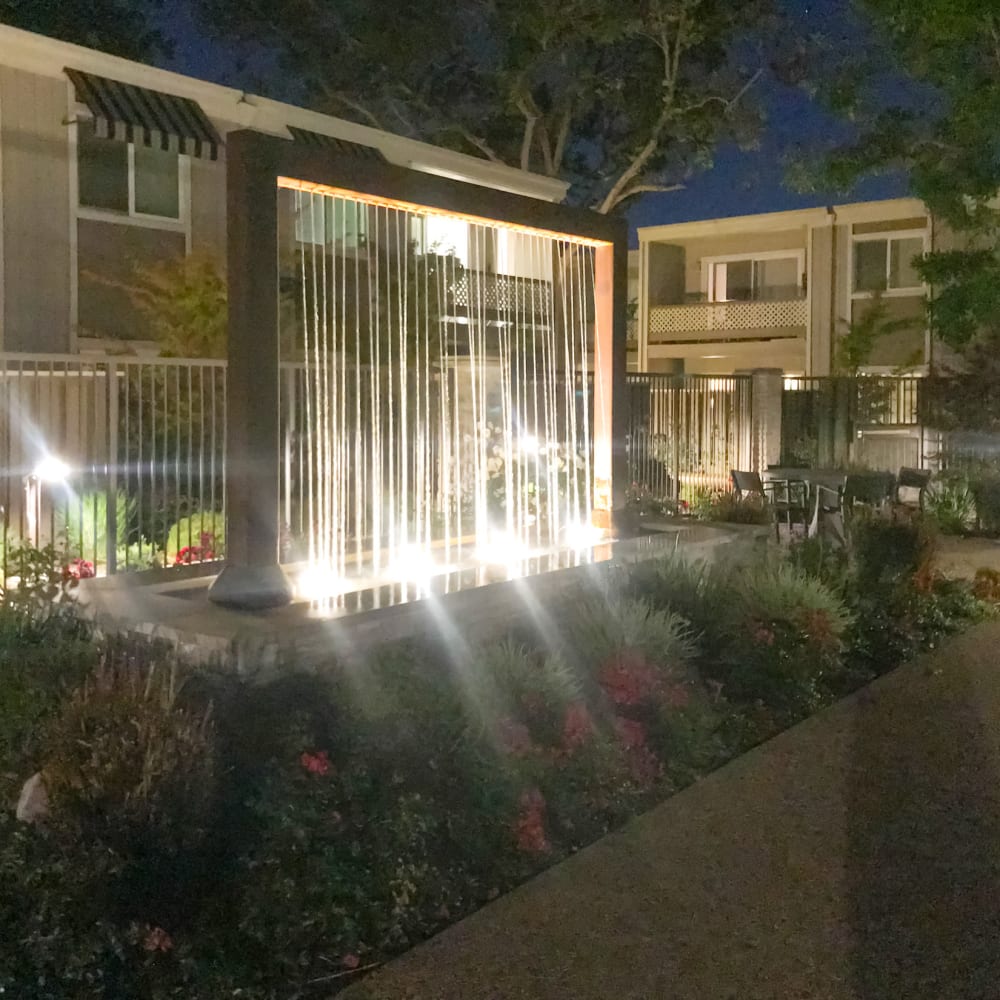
[(925, 98), (121, 27), (618, 99)]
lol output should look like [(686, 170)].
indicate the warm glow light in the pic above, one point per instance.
[(529, 445), (290, 183), (583, 536), (51, 470), (502, 549), (414, 564), (317, 583)]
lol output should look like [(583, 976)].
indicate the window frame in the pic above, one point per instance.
[(182, 224), (889, 235), (708, 265)]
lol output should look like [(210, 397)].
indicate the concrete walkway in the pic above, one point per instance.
[(855, 856)]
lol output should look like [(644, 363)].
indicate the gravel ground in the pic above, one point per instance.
[(855, 856)]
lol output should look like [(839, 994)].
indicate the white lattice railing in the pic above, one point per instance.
[(789, 317)]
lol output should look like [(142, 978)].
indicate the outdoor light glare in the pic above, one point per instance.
[(51, 470), (412, 563), (583, 535), (317, 583), (502, 549), (529, 445)]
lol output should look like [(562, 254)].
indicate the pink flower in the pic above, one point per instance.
[(529, 827), (628, 678), (316, 763), (157, 939), (577, 726), (513, 737), (643, 763), (350, 961), (79, 569)]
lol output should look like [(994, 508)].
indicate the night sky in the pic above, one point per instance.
[(740, 183)]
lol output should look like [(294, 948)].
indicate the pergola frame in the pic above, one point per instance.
[(257, 165)]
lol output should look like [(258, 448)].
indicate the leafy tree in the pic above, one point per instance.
[(860, 337), (619, 99), (122, 27), (924, 97)]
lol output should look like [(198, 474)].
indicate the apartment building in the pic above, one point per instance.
[(780, 290), (107, 165)]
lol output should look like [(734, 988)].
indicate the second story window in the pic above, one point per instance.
[(131, 180), (886, 263), (765, 278)]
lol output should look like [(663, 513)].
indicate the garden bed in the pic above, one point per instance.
[(208, 836)]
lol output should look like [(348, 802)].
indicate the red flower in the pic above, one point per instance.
[(628, 678), (577, 726), (513, 737), (316, 763), (197, 553), (157, 939), (350, 961), (643, 763), (529, 827), (79, 569)]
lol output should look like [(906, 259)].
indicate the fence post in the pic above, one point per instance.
[(111, 479), (767, 385)]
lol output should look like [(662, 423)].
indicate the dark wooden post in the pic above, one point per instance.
[(252, 577)]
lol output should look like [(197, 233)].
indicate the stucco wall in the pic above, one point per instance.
[(35, 179)]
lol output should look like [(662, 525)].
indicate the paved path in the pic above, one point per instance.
[(856, 856)]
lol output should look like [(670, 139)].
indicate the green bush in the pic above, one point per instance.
[(783, 633), (197, 537), (891, 553), (950, 501), (727, 507), (83, 524)]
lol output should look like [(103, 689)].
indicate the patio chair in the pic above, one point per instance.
[(828, 509), (913, 481), (783, 499), (871, 490)]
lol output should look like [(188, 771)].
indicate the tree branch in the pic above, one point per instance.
[(562, 137), (481, 144), (639, 189)]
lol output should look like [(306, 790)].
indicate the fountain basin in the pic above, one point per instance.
[(476, 601)]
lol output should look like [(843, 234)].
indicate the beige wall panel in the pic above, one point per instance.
[(904, 347), (109, 254), (208, 207), (34, 145), (724, 246)]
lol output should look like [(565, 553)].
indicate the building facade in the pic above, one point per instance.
[(781, 290), (107, 165)]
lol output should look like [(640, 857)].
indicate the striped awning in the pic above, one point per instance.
[(342, 146), (136, 114)]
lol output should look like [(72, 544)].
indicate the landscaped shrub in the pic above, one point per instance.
[(268, 836), (783, 639), (722, 506), (890, 553), (950, 501), (199, 537)]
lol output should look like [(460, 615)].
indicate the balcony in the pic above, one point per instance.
[(715, 321)]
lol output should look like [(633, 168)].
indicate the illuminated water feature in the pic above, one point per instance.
[(437, 393)]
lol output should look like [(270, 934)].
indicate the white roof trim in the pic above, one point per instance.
[(229, 108), (861, 211)]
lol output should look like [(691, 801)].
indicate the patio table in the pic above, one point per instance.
[(824, 490)]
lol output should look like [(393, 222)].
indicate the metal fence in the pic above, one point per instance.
[(687, 432), (116, 461), (840, 421)]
